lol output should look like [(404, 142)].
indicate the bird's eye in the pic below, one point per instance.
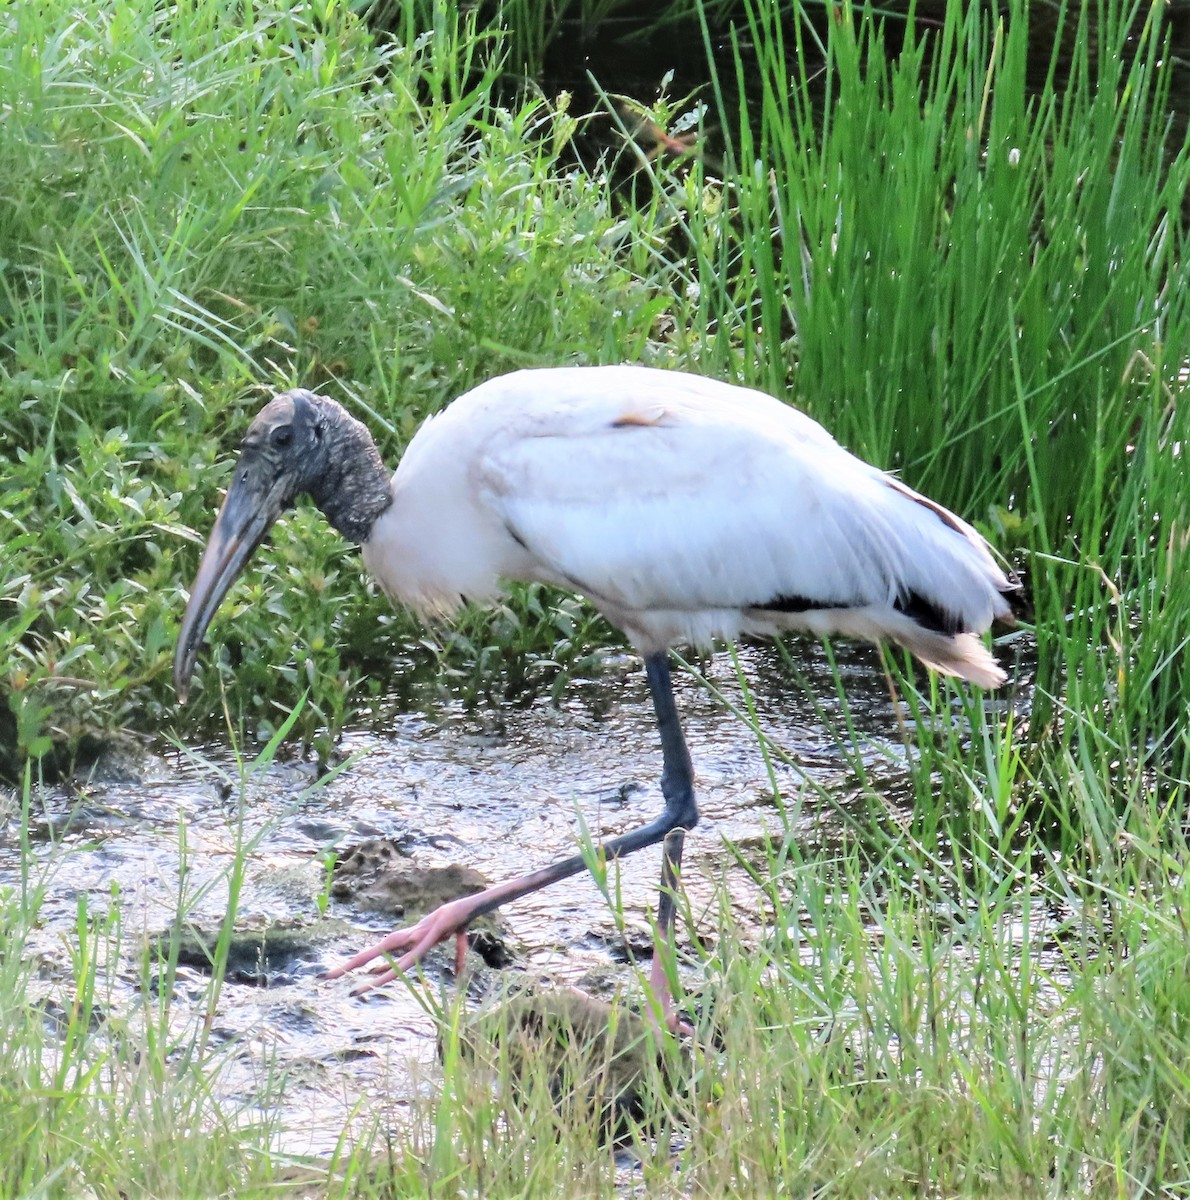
[(318, 425), (282, 435)]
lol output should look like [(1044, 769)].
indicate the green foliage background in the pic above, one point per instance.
[(962, 253), (208, 212), (960, 244)]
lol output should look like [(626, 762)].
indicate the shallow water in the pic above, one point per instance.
[(501, 791)]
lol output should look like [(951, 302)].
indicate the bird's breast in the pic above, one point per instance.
[(435, 548)]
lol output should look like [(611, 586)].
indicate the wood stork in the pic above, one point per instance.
[(685, 509)]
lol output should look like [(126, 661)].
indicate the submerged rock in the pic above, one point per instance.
[(264, 953), (601, 1062)]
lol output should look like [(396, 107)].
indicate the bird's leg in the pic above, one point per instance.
[(677, 786), (663, 943), (452, 918)]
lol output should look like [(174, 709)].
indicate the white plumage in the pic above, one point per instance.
[(681, 507)]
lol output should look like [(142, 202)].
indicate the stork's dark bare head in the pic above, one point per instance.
[(299, 444)]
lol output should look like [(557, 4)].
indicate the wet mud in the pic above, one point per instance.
[(430, 808)]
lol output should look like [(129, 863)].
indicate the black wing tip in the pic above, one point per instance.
[(924, 612), (921, 610), (801, 604), (918, 608), (1020, 604)]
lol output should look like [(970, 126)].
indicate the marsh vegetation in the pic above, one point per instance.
[(959, 242)]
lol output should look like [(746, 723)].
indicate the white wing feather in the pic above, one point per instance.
[(695, 515)]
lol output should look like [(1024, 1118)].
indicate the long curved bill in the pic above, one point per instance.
[(248, 513)]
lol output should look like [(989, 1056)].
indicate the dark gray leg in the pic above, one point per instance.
[(681, 812), (677, 786), (677, 774)]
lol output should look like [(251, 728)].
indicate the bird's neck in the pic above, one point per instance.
[(354, 490)]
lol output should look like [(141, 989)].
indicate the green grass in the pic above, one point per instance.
[(203, 215), (983, 284), (966, 257)]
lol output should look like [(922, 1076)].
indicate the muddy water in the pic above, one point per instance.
[(498, 791)]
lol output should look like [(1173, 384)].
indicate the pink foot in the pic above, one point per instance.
[(659, 987), (412, 944), (448, 920)]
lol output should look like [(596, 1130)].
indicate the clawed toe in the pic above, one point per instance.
[(408, 947), (380, 978)]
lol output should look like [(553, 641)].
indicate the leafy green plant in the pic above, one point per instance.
[(282, 236)]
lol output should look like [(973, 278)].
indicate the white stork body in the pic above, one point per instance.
[(686, 510)]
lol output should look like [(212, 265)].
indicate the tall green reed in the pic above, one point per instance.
[(973, 271)]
